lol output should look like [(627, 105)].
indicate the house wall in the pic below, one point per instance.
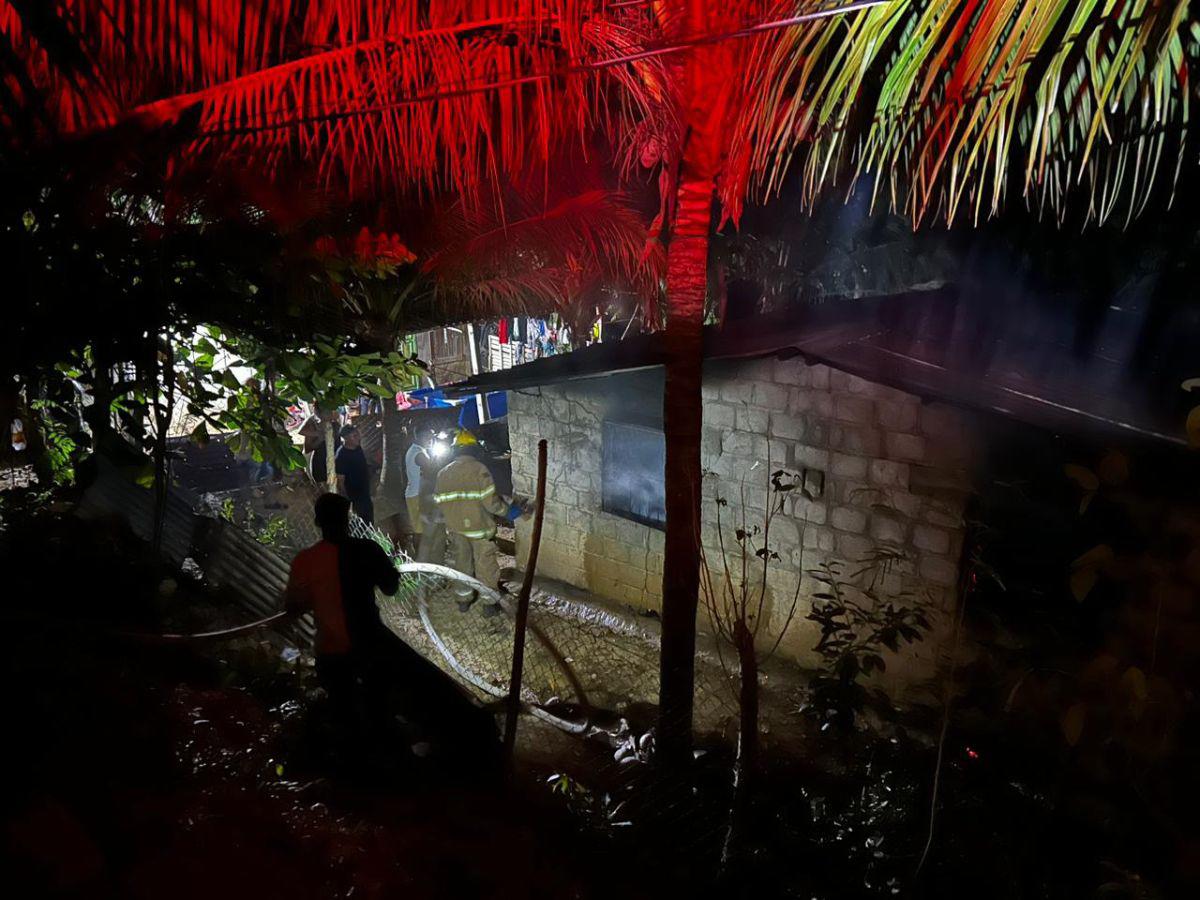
[(895, 473)]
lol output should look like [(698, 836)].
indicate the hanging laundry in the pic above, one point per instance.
[(503, 330)]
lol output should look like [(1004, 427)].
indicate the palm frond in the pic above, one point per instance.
[(543, 254), (946, 105), (370, 95)]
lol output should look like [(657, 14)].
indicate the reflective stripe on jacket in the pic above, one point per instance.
[(466, 496)]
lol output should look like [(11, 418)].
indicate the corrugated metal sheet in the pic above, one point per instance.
[(231, 559)]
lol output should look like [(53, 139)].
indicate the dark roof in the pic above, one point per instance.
[(923, 344)]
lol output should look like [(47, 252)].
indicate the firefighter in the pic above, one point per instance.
[(466, 497)]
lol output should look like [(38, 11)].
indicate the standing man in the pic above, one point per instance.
[(363, 666), (420, 468), (353, 476), (336, 579), (466, 497)]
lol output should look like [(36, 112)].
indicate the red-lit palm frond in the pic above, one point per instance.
[(543, 254), (950, 104), (368, 94), (574, 247)]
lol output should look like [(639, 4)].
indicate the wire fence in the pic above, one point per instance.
[(587, 666)]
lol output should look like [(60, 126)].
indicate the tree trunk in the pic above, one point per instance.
[(687, 267), (746, 766), (163, 405), (392, 471), (330, 453)]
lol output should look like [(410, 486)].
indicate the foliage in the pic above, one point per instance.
[(1146, 560), (857, 625), (273, 531), (61, 449), (327, 372)]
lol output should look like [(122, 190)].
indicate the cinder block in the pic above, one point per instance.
[(719, 415), (818, 377), (792, 372), (751, 418), (809, 511), (905, 446), (887, 529), (888, 473), (745, 444), (737, 391), (809, 456), (856, 440), (934, 540), (787, 425), (853, 547), (843, 465), (895, 416), (847, 518), (855, 410), (770, 395), (939, 570)]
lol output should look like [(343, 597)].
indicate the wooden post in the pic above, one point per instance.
[(518, 663)]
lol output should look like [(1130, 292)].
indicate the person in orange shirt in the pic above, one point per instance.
[(336, 579), (360, 659)]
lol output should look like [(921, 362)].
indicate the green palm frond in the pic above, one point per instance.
[(948, 105)]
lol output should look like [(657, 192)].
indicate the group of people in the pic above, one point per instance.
[(453, 503), (367, 672)]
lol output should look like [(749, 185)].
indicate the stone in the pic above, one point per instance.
[(784, 534), (744, 444), (818, 538), (737, 391), (719, 415), (751, 418), (710, 444), (792, 371), (904, 446), (843, 465), (855, 410), (770, 395), (888, 473), (896, 416), (787, 425), (818, 377), (860, 441), (809, 457), (939, 570), (853, 547), (847, 518), (934, 540), (809, 510), (933, 481), (887, 528)]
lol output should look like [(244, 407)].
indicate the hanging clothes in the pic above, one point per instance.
[(519, 329), (503, 330)]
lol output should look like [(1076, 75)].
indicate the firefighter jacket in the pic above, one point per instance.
[(466, 497)]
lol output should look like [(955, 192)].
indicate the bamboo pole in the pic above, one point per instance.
[(518, 663)]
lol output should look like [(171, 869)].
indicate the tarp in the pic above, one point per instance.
[(497, 408)]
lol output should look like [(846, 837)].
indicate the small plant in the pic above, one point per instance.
[(736, 597), (856, 626), (273, 532)]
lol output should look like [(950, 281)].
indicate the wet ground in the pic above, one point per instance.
[(149, 772), (141, 771)]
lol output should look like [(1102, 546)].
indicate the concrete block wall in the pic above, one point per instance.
[(895, 471)]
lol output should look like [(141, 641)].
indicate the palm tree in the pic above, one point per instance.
[(941, 107)]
